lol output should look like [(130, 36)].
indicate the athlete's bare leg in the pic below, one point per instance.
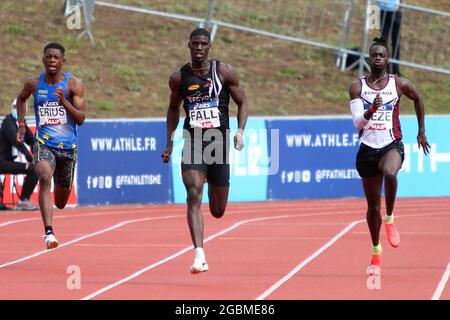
[(61, 196), (218, 199), (193, 181), (372, 190), (44, 172), (390, 164)]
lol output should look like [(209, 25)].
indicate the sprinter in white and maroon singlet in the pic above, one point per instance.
[(375, 106)]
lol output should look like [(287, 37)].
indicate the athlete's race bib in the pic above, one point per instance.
[(51, 114), (382, 119), (204, 114)]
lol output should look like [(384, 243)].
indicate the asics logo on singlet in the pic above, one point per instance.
[(50, 104), (201, 106), (388, 107)]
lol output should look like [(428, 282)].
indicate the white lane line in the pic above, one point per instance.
[(147, 210), (441, 286), (115, 245), (90, 235), (146, 219), (4, 224), (179, 253), (230, 211), (273, 238), (245, 209), (87, 214), (302, 264)]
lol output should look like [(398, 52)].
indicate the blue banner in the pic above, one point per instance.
[(248, 167), (302, 158), (316, 159), (421, 175), (120, 162)]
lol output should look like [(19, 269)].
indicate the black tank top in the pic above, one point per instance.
[(205, 98)]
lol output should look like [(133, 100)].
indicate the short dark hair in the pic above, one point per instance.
[(200, 32), (379, 42), (55, 45)]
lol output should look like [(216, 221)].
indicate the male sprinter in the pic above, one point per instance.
[(205, 87), (375, 106), (59, 108)]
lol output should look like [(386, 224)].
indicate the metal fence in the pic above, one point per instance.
[(343, 26), (422, 38)]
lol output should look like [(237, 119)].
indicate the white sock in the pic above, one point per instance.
[(199, 253), (389, 219)]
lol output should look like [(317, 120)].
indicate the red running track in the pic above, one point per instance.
[(273, 250)]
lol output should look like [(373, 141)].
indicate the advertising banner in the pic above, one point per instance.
[(425, 175), (248, 167), (120, 162), (316, 159)]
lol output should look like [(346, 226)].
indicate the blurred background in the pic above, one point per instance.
[(295, 60), (126, 69)]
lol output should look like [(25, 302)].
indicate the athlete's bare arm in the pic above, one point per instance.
[(405, 87), (238, 95), (77, 108), (173, 112), (355, 90), (27, 90)]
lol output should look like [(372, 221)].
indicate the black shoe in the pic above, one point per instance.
[(3, 207)]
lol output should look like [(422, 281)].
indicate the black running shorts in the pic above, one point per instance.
[(207, 151), (367, 158)]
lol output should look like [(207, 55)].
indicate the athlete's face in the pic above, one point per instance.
[(199, 46), (53, 60), (378, 58)]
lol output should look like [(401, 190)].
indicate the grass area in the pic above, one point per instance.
[(126, 72), (15, 29)]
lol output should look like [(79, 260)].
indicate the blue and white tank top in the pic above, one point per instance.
[(54, 127)]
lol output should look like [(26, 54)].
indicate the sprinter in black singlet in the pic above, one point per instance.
[(205, 87)]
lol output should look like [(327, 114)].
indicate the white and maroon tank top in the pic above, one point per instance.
[(384, 126)]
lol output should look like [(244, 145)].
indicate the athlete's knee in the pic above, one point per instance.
[(62, 195), (373, 208), (60, 204), (45, 179), (61, 199), (390, 174), (194, 197), (217, 212)]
